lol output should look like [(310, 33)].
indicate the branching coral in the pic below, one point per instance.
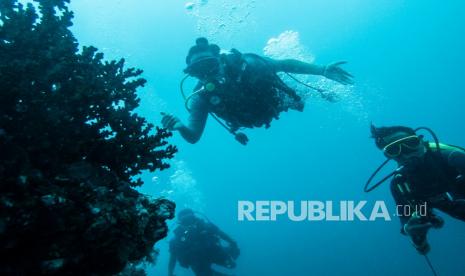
[(71, 147)]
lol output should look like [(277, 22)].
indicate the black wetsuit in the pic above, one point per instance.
[(437, 180), (198, 246), (248, 93)]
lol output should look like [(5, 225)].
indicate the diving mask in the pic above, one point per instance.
[(204, 67), (406, 145)]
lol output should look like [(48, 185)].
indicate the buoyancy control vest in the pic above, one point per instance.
[(433, 177), (251, 95)]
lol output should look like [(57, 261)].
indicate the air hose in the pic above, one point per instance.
[(240, 137)]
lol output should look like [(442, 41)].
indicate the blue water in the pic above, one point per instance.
[(408, 61)]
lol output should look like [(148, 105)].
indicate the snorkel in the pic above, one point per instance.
[(369, 188)]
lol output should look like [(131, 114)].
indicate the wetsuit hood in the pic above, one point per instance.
[(201, 56)]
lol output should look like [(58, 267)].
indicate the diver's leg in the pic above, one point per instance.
[(216, 273), (223, 256), (202, 269)]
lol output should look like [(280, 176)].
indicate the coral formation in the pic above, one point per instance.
[(71, 147)]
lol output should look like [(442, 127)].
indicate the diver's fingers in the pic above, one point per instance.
[(342, 74), (340, 70), (347, 73), (171, 122), (164, 119), (339, 78), (348, 80), (175, 122), (344, 80), (338, 63)]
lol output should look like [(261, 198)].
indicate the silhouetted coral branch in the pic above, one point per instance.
[(71, 146)]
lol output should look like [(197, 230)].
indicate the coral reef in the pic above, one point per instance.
[(71, 148)]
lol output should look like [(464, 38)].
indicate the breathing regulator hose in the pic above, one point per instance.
[(240, 137), (369, 188)]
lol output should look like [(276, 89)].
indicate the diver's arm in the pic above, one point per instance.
[(225, 237), (414, 226), (198, 114), (400, 201), (171, 264), (194, 128), (331, 71), (191, 132), (456, 159), (297, 67), (222, 235)]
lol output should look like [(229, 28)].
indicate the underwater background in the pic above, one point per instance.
[(408, 62)]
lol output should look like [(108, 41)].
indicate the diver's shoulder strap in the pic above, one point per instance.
[(235, 63), (445, 149), (443, 146), (443, 158), (233, 57)]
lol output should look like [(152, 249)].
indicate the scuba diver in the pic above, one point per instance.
[(198, 244), (429, 174), (243, 90)]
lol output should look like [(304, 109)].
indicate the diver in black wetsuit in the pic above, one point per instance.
[(197, 244), (426, 175), (242, 89)]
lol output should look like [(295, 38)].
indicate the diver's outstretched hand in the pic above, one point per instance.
[(170, 122), (334, 72)]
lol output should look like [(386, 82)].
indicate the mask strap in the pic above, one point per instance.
[(367, 187)]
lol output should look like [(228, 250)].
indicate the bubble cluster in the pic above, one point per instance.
[(222, 18), (288, 45), (182, 187)]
